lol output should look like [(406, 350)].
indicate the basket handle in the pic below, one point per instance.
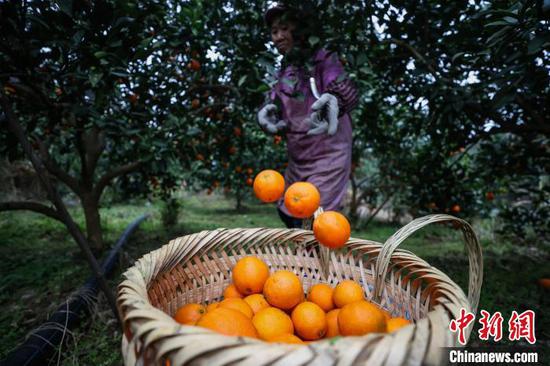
[(473, 248)]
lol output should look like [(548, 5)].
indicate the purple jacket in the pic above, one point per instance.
[(322, 160)]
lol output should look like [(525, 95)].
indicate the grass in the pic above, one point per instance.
[(40, 266)]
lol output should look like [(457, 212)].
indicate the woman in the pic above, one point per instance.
[(319, 130)]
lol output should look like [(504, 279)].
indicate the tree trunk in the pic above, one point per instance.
[(93, 223)]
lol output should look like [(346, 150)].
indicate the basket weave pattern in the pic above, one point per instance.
[(197, 268)]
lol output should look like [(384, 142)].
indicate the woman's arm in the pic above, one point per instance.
[(336, 82)]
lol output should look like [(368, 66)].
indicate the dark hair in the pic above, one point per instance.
[(302, 31)]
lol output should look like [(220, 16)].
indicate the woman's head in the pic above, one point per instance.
[(282, 34), (286, 28)]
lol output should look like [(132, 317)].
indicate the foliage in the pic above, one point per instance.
[(168, 93)]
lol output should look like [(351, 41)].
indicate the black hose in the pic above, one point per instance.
[(43, 342)]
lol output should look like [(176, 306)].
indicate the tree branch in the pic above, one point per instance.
[(56, 171), (528, 108), (419, 57), (31, 206), (105, 179)]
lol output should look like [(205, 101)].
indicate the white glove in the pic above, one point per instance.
[(324, 117), (268, 120)]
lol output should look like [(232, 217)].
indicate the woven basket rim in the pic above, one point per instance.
[(139, 314)]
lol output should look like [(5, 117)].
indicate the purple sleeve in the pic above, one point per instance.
[(336, 82)]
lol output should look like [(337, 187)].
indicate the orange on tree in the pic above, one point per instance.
[(302, 199), (490, 196), (361, 317), (283, 289), (346, 292), (249, 181), (231, 291), (271, 322), (544, 283), (229, 322), (269, 185), (249, 171), (331, 229), (194, 65), (332, 323), (310, 321), (189, 314), (237, 304), (195, 103), (395, 323), (321, 294), (256, 302), (249, 275), (287, 338), (455, 208)]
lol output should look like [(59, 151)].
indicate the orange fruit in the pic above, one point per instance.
[(189, 314), (346, 292), (212, 306), (544, 283), (231, 291), (396, 323), (331, 229), (195, 103), (455, 208), (332, 323), (249, 275), (269, 185), (310, 321), (283, 289), (194, 65), (271, 322), (256, 302), (302, 199), (249, 182), (361, 317), (287, 338), (321, 294), (229, 322), (237, 304)]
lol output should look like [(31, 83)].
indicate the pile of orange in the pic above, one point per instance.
[(302, 199), (274, 308)]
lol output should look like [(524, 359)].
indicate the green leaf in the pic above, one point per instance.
[(313, 40), (66, 6), (100, 54), (511, 20), (193, 131), (536, 44), (498, 22), (457, 56), (241, 80), (263, 88), (95, 78)]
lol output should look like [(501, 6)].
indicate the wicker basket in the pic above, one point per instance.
[(197, 267)]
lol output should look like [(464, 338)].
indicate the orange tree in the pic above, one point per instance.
[(174, 88), (99, 90)]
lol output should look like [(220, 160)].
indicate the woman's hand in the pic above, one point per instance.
[(267, 118), (324, 117)]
